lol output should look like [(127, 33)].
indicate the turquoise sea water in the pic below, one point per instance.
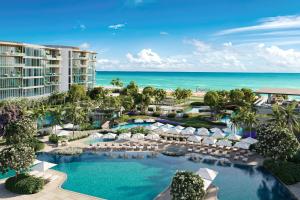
[(143, 179), (203, 80)]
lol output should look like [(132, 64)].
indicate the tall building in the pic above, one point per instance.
[(28, 70)]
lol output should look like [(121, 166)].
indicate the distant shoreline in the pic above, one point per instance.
[(198, 72)]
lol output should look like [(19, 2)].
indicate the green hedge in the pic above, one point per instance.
[(197, 103), (156, 114), (186, 115), (287, 172), (24, 184), (171, 115)]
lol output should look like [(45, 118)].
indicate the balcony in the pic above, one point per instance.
[(12, 53), (51, 57)]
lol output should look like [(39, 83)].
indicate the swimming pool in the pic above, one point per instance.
[(131, 125), (142, 179)]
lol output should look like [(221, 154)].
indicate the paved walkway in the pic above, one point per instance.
[(51, 191), (295, 189)]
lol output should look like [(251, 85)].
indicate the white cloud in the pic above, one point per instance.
[(116, 26), (164, 33), (144, 56), (80, 26), (85, 45), (270, 23)]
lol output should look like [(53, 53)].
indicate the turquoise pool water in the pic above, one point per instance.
[(131, 125), (143, 179)]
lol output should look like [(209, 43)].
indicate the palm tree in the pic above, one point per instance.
[(40, 112), (286, 116), (235, 123), (117, 82), (58, 115), (250, 120), (76, 115)]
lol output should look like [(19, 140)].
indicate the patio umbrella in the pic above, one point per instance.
[(124, 136), (36, 162), (179, 127), (43, 166), (249, 140), (161, 130), (68, 126), (151, 127), (152, 136), (195, 138), (234, 137), (187, 132), (218, 135), (214, 130), (227, 130), (96, 135), (138, 121), (225, 143), (174, 131), (158, 124), (63, 133), (109, 136), (150, 120), (168, 126), (209, 140), (207, 174), (202, 132), (242, 145), (206, 183), (138, 136)]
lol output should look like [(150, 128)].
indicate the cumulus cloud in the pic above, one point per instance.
[(116, 26), (164, 33), (270, 23), (85, 45)]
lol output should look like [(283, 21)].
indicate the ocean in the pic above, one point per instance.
[(202, 80)]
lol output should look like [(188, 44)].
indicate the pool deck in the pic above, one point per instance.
[(51, 191), (295, 190)]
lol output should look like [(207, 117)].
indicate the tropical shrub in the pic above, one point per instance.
[(187, 186), (197, 103), (186, 115), (156, 114), (287, 172), (24, 184), (139, 129), (276, 142), (36, 144), (53, 139)]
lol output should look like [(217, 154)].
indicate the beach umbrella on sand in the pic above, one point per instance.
[(43, 166), (234, 137), (158, 124), (209, 140), (124, 136), (242, 145), (225, 143), (207, 174), (202, 132), (195, 138), (152, 136), (109, 136), (138, 136), (249, 140), (168, 126)]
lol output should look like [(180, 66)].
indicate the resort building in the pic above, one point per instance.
[(28, 70)]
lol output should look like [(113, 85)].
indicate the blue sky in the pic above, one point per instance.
[(165, 35)]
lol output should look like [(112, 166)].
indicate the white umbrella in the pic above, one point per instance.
[(206, 183), (138, 121), (36, 162), (187, 132), (152, 136), (56, 129), (207, 174), (249, 140), (174, 131), (158, 124), (151, 127), (214, 130), (218, 135), (96, 135), (227, 130), (202, 132), (68, 126), (192, 129), (43, 166), (138, 136), (109, 136), (168, 126), (150, 120), (209, 140), (124, 136), (161, 130), (242, 145), (234, 137), (195, 138), (63, 133), (225, 143), (179, 127)]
